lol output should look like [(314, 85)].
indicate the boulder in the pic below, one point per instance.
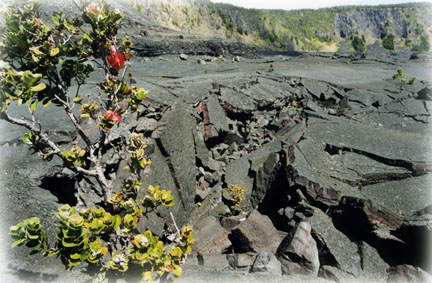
[(334, 247), (335, 274), (407, 273), (210, 237), (214, 118), (255, 234), (298, 251), (237, 173), (267, 263), (173, 160), (242, 261), (373, 266), (265, 164)]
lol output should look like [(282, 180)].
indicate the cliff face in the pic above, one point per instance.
[(372, 24), (330, 29), (307, 30)]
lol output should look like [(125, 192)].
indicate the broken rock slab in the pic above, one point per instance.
[(267, 263), (173, 161), (403, 197), (210, 237), (255, 234), (298, 251), (237, 173), (214, 118), (242, 262), (408, 273), (335, 274), (334, 247), (394, 147), (265, 163), (373, 266)]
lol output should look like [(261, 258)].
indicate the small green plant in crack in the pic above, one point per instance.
[(401, 80), (236, 195)]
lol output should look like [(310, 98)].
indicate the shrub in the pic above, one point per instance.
[(424, 44), (399, 77), (388, 42), (358, 44), (42, 65), (235, 194)]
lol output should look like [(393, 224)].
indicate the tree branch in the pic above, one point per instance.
[(27, 124), (94, 158)]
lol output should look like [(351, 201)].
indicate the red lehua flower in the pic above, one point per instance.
[(116, 60), (112, 116)]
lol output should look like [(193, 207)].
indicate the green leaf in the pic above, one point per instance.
[(37, 51), (39, 87), (26, 139), (18, 242), (54, 51), (48, 102), (87, 37), (33, 237), (71, 263), (77, 99), (34, 105), (30, 79), (55, 20), (141, 93), (36, 251), (75, 256), (69, 245)]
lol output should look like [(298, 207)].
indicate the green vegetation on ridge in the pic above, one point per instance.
[(306, 29)]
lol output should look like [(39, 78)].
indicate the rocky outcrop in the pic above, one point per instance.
[(335, 167), (192, 45), (372, 23)]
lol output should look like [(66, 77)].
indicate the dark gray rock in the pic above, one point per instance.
[(255, 234), (265, 163), (335, 274), (425, 94), (399, 145), (403, 196), (237, 173), (217, 262), (236, 100), (315, 88), (267, 263), (298, 252), (175, 142), (214, 118), (199, 274), (242, 261), (373, 266), (211, 237), (158, 173), (146, 125), (335, 245), (407, 273), (202, 152), (300, 172), (343, 162)]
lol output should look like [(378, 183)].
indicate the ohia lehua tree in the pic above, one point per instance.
[(46, 64)]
